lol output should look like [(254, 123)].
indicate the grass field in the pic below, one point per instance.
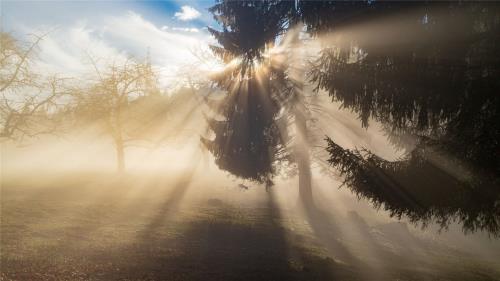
[(102, 227)]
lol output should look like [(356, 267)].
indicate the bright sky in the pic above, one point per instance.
[(171, 30)]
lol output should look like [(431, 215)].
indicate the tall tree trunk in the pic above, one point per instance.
[(301, 114), (303, 158)]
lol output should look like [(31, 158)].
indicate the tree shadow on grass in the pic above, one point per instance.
[(350, 240), (230, 244), (169, 206), (222, 242)]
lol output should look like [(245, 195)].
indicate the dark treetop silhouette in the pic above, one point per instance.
[(248, 141), (250, 29), (431, 74), (427, 71)]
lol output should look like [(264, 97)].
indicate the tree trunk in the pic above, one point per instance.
[(301, 114), (303, 159), (120, 155), (119, 143)]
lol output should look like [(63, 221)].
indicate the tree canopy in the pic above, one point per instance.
[(424, 70)]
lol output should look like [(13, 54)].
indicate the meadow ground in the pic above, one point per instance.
[(101, 227)]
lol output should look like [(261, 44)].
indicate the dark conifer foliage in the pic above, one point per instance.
[(248, 141), (431, 71), (248, 27), (428, 71), (420, 189)]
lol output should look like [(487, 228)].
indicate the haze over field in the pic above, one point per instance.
[(249, 140)]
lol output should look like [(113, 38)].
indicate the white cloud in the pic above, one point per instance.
[(168, 46), (184, 29), (116, 37), (187, 13)]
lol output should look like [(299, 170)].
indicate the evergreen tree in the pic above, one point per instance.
[(426, 70), (249, 140)]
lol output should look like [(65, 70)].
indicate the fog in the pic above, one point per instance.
[(51, 164), (301, 142)]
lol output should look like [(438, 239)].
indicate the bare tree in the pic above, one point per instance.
[(108, 99), (29, 103), (15, 60)]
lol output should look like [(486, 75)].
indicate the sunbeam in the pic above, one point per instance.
[(250, 140)]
